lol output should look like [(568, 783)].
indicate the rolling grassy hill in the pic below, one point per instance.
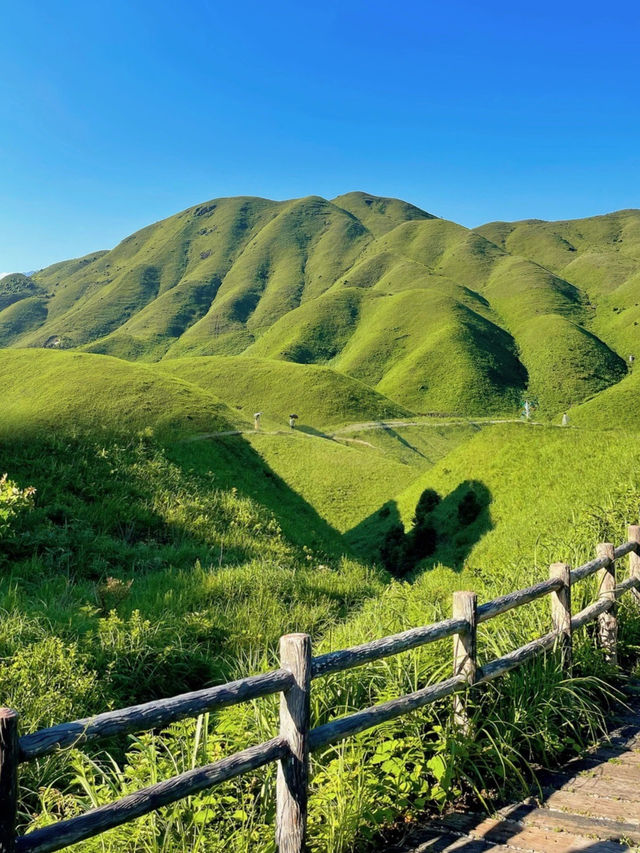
[(429, 314), (68, 392), (322, 397)]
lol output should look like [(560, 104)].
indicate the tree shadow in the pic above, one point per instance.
[(366, 537), (460, 523), (460, 520)]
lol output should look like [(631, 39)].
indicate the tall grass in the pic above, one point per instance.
[(76, 642)]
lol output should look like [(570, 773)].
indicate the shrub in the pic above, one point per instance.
[(13, 500)]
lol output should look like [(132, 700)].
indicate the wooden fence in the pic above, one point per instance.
[(292, 680)]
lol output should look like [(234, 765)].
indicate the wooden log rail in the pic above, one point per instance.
[(292, 680)]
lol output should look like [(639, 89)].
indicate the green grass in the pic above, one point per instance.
[(535, 479), (430, 314), (157, 563), (345, 484), (320, 396), (612, 409), (44, 390)]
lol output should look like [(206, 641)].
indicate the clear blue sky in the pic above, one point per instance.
[(116, 114)]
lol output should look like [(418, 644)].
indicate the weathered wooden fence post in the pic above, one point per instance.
[(608, 622), (8, 779), (561, 612), (465, 605), (293, 771), (634, 559)]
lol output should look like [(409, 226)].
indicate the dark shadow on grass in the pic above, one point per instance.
[(458, 532), (366, 537), (459, 521), (392, 432), (309, 430)]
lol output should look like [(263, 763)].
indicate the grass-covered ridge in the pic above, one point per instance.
[(322, 397), (430, 314), (45, 390)]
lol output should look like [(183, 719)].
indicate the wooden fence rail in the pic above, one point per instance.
[(292, 680)]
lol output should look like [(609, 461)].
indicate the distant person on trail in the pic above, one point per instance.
[(565, 419), (256, 420), (292, 421), (632, 358)]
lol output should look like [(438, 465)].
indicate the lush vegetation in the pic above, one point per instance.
[(433, 316), (153, 541), (154, 559)]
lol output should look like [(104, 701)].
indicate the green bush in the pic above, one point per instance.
[(13, 501)]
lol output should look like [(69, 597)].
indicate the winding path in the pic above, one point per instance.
[(340, 432)]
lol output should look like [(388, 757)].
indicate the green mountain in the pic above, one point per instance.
[(429, 314), (169, 544)]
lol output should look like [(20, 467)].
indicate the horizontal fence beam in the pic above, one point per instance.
[(512, 660), (589, 568), (625, 586), (627, 548), (360, 721), (387, 646), (152, 715), (99, 820), (588, 614), (516, 599)]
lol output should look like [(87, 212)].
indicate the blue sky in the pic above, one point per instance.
[(117, 114)]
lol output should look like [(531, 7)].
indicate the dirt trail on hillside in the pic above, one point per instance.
[(365, 426)]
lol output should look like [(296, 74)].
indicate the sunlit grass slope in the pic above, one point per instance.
[(430, 314), (612, 409), (320, 396), (62, 392), (600, 255), (424, 349), (532, 481)]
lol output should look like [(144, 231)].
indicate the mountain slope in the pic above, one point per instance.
[(68, 393), (322, 397), (430, 314)]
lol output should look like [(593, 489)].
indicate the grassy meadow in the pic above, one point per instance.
[(168, 545)]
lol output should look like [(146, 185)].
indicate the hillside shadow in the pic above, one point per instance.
[(108, 514), (400, 438), (236, 465), (459, 522), (366, 537)]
